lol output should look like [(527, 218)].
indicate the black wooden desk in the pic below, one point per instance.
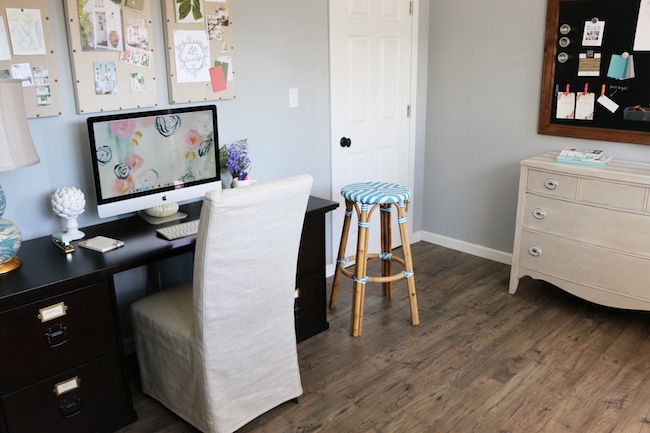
[(62, 362)]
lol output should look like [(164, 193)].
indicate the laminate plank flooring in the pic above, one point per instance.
[(481, 360)]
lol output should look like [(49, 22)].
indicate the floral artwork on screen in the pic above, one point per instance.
[(155, 152)]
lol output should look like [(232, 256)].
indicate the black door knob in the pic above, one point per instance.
[(345, 142)]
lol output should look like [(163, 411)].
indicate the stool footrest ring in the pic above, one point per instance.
[(384, 279)]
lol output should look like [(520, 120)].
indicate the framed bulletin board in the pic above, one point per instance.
[(26, 53), (198, 38), (596, 70), (111, 50)]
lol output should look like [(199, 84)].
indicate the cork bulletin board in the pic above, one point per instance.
[(596, 70), (26, 53), (112, 53), (198, 40)]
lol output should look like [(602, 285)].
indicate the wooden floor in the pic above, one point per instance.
[(481, 360)]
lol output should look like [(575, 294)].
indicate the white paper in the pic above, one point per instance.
[(26, 30), (642, 36), (608, 103), (192, 53), (5, 54)]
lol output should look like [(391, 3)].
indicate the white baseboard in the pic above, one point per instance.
[(454, 244), (466, 247)]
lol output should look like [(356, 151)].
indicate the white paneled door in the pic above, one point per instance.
[(370, 73)]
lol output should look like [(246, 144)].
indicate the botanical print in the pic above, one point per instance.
[(26, 30), (100, 25), (188, 11)]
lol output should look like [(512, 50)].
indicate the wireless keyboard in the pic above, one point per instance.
[(180, 230)]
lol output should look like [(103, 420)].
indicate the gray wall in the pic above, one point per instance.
[(279, 44)]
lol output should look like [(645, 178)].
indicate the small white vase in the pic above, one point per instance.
[(236, 183)]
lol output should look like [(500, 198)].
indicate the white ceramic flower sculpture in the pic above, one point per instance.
[(69, 203)]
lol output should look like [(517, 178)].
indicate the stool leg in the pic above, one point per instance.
[(360, 278), (386, 249), (340, 258), (408, 260)]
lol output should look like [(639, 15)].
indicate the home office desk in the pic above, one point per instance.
[(62, 361)]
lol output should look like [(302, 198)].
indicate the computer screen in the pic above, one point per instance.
[(145, 159)]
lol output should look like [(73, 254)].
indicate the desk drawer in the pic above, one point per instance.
[(81, 326), (94, 397)]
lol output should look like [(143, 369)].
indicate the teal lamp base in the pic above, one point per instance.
[(13, 264), (10, 240)]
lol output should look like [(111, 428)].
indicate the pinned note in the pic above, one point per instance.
[(585, 103), (594, 33), (566, 103), (607, 102), (621, 67)]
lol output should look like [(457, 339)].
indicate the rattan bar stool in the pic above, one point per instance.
[(365, 197)]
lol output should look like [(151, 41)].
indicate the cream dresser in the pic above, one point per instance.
[(585, 229)]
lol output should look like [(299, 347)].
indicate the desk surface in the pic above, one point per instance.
[(45, 265)]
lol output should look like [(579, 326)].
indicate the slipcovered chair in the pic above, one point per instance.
[(221, 350)]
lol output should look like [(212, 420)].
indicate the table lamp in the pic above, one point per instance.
[(16, 151)]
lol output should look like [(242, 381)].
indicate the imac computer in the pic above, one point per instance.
[(153, 159)]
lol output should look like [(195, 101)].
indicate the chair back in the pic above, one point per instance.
[(245, 277)]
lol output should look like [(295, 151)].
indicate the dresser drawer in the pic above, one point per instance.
[(615, 195), (620, 273), (89, 398), (72, 328), (607, 228), (554, 184)]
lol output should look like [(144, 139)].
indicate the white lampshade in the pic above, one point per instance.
[(16, 151), (16, 145)]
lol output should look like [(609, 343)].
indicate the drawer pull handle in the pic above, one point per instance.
[(296, 293), (535, 251), (539, 213), (56, 335), (70, 406), (551, 183)]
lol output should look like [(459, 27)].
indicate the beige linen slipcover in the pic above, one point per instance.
[(221, 351)]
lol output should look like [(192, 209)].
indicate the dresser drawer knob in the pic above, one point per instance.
[(539, 213), (535, 251), (551, 183)]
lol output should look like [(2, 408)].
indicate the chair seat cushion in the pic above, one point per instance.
[(376, 192)]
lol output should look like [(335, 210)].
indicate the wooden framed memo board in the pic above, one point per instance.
[(111, 47), (26, 54), (596, 71), (198, 37)]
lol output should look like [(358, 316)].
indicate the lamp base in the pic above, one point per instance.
[(11, 265)]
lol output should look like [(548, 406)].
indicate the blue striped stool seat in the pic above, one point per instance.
[(376, 192)]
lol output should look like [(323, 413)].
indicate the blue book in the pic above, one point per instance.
[(600, 162)]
